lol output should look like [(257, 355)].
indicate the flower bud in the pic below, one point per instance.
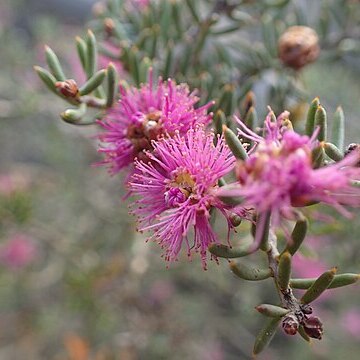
[(290, 324), (68, 88), (109, 26), (298, 46), (306, 309), (313, 327)]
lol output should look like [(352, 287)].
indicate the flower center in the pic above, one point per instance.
[(144, 129), (180, 189)]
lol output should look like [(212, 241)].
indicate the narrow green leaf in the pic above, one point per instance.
[(224, 251), (338, 281), (251, 118), (74, 116), (165, 11), (319, 286), (169, 60), (234, 144), (338, 129), (272, 310), (310, 121), (284, 270), (265, 335), (47, 78), (226, 101), (263, 218), (145, 65), (54, 64), (91, 54), (112, 85), (297, 236), (134, 65), (321, 122), (333, 152), (93, 83), (249, 273), (219, 120), (82, 51)]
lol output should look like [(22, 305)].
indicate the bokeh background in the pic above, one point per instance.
[(77, 282)]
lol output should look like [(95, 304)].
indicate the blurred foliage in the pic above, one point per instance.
[(89, 295)]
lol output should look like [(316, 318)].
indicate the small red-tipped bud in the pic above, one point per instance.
[(313, 327), (306, 309), (298, 46), (68, 88), (290, 324)]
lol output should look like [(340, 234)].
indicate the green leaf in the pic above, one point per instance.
[(82, 51), (219, 120), (333, 152), (91, 54), (112, 85), (145, 65), (272, 310), (226, 101), (263, 218), (47, 78), (224, 251), (234, 144), (93, 83), (169, 60), (74, 116), (251, 118), (319, 286), (338, 281), (321, 122), (134, 65), (310, 121), (265, 335), (284, 270), (297, 236), (54, 64), (165, 11), (249, 273), (338, 129)]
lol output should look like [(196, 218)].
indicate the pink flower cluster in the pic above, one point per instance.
[(279, 176), (175, 165)]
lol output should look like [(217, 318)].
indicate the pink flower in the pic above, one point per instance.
[(146, 114), (175, 190), (18, 252), (278, 174)]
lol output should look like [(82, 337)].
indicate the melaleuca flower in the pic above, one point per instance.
[(146, 114), (278, 174), (175, 191)]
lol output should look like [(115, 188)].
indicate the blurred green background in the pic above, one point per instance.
[(86, 286)]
